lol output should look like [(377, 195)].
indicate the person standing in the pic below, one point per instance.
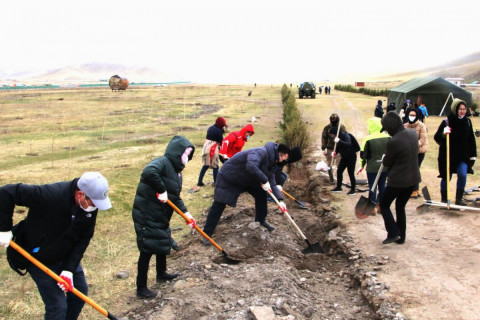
[(372, 150), (347, 146), (421, 131), (161, 180), (401, 158), (251, 171), (57, 231), (210, 149), (462, 149), (379, 110), (328, 142), (424, 111), (234, 142)]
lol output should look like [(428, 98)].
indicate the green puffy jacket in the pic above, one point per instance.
[(150, 216)]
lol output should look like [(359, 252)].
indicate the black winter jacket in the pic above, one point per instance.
[(56, 228), (215, 134), (152, 217)]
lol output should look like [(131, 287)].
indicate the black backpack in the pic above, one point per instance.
[(355, 145)]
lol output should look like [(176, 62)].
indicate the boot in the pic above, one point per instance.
[(459, 198), (145, 293), (167, 276), (444, 195)]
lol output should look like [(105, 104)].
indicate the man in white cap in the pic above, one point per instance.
[(57, 230)]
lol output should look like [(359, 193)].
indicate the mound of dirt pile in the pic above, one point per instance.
[(273, 274)]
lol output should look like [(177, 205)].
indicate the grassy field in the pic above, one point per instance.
[(56, 135)]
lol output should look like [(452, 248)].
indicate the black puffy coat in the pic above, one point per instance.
[(152, 217), (247, 169)]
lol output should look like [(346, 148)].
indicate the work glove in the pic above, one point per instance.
[(163, 197), (472, 161), (5, 238), (359, 170), (279, 187), (192, 222), (68, 277), (282, 206), (266, 186), (334, 154), (447, 130), (222, 158), (336, 139)]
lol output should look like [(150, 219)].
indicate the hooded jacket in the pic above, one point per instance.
[(373, 146), (378, 109), (420, 130), (247, 169), (401, 156), (234, 142), (150, 216), (462, 141)]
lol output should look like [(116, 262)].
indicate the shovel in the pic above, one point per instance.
[(365, 207), (58, 279), (301, 204), (311, 248), (224, 253), (330, 170), (430, 203)]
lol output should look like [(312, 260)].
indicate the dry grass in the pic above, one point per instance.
[(55, 135)]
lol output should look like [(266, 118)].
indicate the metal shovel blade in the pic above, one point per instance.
[(313, 248), (364, 208), (422, 208)]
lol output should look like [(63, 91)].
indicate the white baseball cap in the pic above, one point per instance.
[(95, 187)]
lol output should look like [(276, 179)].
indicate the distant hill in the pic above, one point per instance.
[(94, 72), (467, 67)]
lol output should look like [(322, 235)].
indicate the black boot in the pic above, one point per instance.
[(444, 195), (459, 198), (145, 293), (167, 276), (267, 226)]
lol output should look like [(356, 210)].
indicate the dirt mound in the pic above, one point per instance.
[(273, 273)]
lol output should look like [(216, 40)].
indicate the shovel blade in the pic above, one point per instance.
[(313, 248), (330, 175), (303, 204), (364, 208)]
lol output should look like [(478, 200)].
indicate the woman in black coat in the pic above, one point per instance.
[(463, 149), (161, 180)]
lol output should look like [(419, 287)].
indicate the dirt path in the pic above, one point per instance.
[(434, 275)]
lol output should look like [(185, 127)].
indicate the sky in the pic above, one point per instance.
[(243, 41)]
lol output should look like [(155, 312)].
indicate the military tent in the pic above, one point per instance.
[(434, 91)]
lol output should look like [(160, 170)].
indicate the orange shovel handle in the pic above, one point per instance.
[(52, 274)]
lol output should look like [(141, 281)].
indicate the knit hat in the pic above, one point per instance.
[(220, 122), (456, 104), (295, 155), (334, 118), (392, 123)]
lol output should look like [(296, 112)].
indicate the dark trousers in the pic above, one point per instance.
[(401, 196), (59, 306), (217, 208), (349, 164), (380, 186), (143, 262), (421, 156), (204, 170)]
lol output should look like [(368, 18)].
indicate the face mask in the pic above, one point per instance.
[(248, 137), (89, 208), (185, 155), (412, 119)]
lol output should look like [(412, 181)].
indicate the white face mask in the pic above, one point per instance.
[(89, 208), (412, 119)]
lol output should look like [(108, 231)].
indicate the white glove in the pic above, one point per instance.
[(192, 222), (68, 277), (336, 139), (282, 206), (279, 187), (447, 130), (471, 158), (5, 238), (163, 197), (266, 186), (334, 154)]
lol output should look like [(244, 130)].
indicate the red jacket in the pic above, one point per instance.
[(234, 142)]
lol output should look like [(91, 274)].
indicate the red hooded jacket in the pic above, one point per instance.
[(234, 142)]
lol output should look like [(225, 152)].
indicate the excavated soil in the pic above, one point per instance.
[(274, 279)]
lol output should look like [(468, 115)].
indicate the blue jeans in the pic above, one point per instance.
[(59, 306), (380, 186), (461, 178), (204, 170)]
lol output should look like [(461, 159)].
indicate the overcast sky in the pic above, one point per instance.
[(239, 41)]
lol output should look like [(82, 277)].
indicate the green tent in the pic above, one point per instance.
[(434, 91)]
